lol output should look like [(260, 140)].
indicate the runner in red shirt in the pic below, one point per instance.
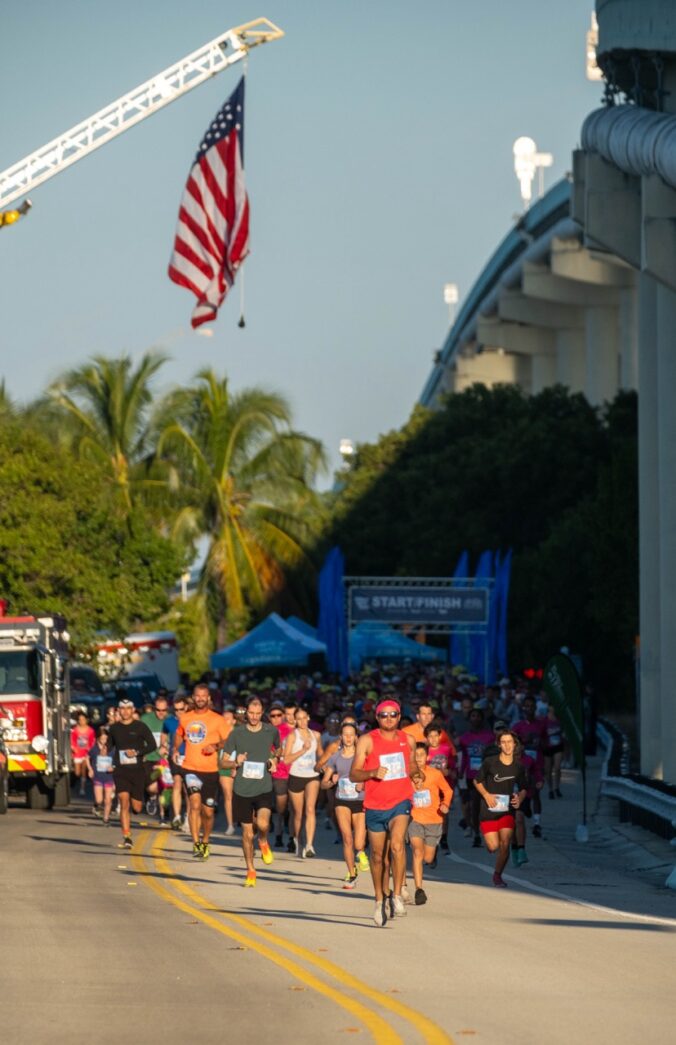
[(384, 762)]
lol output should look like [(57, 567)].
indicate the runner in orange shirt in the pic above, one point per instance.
[(432, 799), (205, 732), (424, 717)]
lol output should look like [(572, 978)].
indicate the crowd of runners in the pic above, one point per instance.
[(388, 760)]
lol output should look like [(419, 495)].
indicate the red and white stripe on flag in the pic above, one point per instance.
[(212, 235)]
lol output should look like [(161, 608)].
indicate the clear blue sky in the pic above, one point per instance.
[(379, 166)]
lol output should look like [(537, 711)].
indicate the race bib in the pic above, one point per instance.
[(439, 762), (82, 742), (127, 760), (554, 739), (422, 799), (104, 764), (475, 763), (395, 765), (193, 782), (532, 753), (253, 770), (306, 760), (158, 738), (347, 789), (178, 759), (167, 776), (501, 804)]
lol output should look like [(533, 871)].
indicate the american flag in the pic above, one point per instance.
[(212, 235)]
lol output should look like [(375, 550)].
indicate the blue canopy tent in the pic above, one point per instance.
[(369, 641), (272, 643), (302, 626)]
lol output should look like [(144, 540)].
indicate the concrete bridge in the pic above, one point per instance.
[(582, 291)]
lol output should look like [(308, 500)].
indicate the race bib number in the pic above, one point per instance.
[(532, 753), (554, 739), (167, 776), (475, 763), (422, 799), (501, 804), (104, 764), (347, 789), (128, 760), (253, 770), (82, 742), (193, 782), (395, 765)]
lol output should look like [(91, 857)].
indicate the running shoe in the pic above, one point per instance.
[(126, 843), (516, 859), (204, 846), (363, 861), (197, 851), (350, 881), (499, 881), (151, 806), (398, 907), (476, 844), (551, 794), (250, 880), (230, 830), (443, 845), (380, 914), (523, 858), (163, 823), (185, 826), (106, 823), (462, 824), (405, 895), (176, 823), (308, 852), (279, 842), (327, 823), (420, 897), (537, 831), (96, 810), (468, 832), (291, 846), (558, 793), (266, 853)]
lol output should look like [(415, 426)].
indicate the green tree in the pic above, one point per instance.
[(63, 547), (246, 486), (108, 404)]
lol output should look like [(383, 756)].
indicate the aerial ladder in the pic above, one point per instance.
[(73, 145)]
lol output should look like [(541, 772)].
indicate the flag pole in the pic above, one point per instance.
[(242, 321)]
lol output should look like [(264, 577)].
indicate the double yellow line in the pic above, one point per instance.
[(273, 947)]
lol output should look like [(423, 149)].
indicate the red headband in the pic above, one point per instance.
[(387, 705)]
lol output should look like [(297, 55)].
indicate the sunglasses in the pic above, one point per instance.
[(275, 714), (388, 714)]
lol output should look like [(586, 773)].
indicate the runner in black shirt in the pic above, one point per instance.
[(501, 782), (132, 740)]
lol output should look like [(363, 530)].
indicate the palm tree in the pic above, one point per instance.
[(108, 405), (246, 486)]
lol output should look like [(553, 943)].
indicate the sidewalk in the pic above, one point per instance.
[(621, 866)]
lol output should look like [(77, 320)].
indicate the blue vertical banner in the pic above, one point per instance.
[(478, 643), (459, 643), (502, 579), (332, 626)]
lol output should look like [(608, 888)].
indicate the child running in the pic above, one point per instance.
[(432, 799)]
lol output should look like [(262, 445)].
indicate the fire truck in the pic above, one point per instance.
[(34, 699)]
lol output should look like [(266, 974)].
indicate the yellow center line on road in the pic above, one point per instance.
[(430, 1032), (381, 1032)]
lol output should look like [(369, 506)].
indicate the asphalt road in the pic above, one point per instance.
[(103, 945)]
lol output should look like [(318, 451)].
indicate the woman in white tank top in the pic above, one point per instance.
[(302, 750)]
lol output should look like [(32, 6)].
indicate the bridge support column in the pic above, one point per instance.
[(649, 533), (602, 373), (628, 324), (666, 462), (571, 359)]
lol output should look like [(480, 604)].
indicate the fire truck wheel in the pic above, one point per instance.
[(62, 791), (39, 795)]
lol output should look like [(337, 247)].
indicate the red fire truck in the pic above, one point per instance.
[(34, 699)]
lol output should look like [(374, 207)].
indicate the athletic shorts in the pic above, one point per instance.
[(226, 773), (132, 780), (77, 761), (378, 820), (549, 751), (176, 770), (243, 807), (298, 783), (206, 784), (106, 781), (501, 823), (430, 833), (354, 807), (525, 807), (280, 785)]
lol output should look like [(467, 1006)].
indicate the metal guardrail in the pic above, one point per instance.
[(640, 803)]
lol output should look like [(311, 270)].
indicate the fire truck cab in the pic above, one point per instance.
[(34, 702)]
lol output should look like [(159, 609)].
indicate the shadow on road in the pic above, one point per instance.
[(586, 923)]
